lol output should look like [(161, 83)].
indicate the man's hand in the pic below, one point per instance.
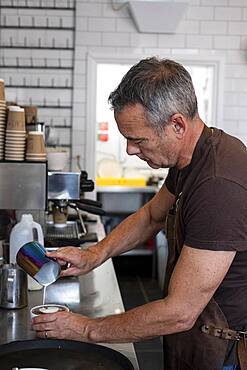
[(79, 261), (62, 325)]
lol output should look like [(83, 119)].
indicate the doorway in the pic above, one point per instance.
[(105, 73)]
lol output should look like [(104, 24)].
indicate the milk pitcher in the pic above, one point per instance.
[(32, 258), (13, 287)]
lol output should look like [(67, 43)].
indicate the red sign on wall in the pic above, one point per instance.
[(103, 131)]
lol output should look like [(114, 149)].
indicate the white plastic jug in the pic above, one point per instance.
[(24, 232)]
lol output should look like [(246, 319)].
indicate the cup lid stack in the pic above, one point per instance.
[(15, 139), (3, 115)]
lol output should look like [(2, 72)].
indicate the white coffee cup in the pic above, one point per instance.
[(47, 308), (57, 159)]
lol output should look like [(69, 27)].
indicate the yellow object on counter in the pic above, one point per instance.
[(120, 181)]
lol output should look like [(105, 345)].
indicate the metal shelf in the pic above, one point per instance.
[(60, 126), (21, 64), (38, 28), (36, 47), (38, 87), (47, 26), (42, 64), (60, 145), (54, 106), (37, 7), (35, 67)]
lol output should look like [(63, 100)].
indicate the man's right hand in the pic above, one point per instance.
[(79, 261)]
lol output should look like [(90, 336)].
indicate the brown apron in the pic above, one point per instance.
[(192, 350)]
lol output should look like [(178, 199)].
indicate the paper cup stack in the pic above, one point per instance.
[(35, 146), (3, 115), (15, 139)]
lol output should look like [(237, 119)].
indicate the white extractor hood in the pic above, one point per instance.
[(156, 16)]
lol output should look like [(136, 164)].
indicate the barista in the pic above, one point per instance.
[(155, 109)]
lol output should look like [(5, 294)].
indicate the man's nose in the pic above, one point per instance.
[(132, 148)]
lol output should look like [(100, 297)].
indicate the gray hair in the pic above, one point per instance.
[(162, 86)]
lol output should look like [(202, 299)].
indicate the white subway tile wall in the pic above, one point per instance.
[(209, 27), (41, 59)]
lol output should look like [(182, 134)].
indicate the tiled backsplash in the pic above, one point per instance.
[(209, 28)]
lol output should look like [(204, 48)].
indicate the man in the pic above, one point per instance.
[(155, 108)]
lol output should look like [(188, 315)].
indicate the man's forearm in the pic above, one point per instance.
[(133, 231), (143, 322)]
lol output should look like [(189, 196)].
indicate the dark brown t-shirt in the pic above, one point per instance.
[(212, 198)]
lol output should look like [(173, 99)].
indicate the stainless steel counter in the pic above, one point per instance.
[(95, 294)]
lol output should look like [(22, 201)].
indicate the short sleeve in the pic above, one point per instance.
[(215, 216)]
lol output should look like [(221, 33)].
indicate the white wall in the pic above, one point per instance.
[(209, 28)]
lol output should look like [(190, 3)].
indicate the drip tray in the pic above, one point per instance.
[(69, 234), (69, 231)]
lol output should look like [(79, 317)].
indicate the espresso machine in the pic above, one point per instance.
[(68, 209), (55, 199), (23, 189)]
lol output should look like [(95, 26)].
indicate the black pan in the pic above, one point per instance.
[(53, 354)]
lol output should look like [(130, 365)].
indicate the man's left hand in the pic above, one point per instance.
[(61, 325)]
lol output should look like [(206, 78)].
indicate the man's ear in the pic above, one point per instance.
[(178, 124)]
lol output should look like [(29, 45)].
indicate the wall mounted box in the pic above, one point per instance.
[(156, 16)]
